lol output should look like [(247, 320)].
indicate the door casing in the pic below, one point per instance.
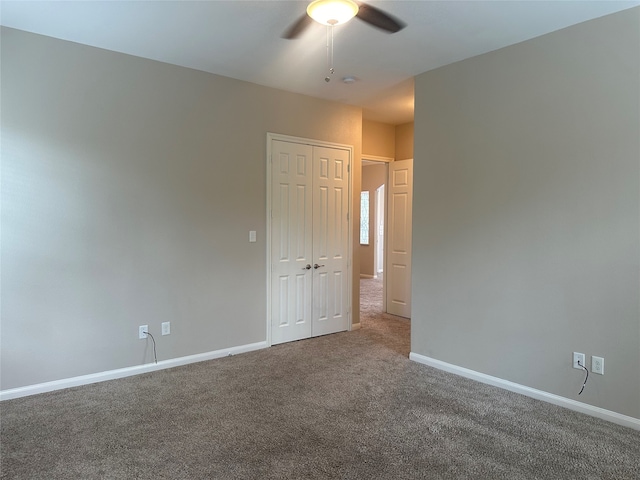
[(316, 143)]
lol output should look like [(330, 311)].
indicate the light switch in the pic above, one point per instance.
[(252, 236)]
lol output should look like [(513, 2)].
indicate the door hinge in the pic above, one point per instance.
[(347, 216)]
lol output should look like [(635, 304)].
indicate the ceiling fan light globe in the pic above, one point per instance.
[(332, 12)]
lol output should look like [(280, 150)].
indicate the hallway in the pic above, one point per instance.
[(389, 330)]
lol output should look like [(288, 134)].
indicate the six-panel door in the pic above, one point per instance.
[(398, 269), (330, 240)]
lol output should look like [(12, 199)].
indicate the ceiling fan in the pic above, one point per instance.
[(336, 12)]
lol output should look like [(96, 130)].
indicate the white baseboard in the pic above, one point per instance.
[(366, 275), (356, 326), (125, 372), (598, 412)]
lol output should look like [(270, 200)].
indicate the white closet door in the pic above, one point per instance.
[(309, 241), (398, 269)]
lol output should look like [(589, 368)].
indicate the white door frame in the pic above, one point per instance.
[(315, 143), (380, 201)]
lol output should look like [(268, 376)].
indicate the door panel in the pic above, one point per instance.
[(330, 240), (291, 245), (399, 238)]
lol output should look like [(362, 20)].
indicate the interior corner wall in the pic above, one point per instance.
[(378, 139), (404, 141), (526, 223), (129, 188)]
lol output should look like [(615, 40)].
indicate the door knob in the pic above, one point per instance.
[(316, 266), (307, 267)]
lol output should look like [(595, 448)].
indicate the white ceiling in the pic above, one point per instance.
[(241, 39)]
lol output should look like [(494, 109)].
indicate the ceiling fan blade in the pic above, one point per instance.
[(295, 30), (376, 17)]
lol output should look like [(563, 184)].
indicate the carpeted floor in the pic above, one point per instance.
[(343, 406)]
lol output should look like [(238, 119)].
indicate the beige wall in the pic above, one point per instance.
[(385, 140), (373, 176), (378, 139), (526, 223), (404, 141), (128, 190)]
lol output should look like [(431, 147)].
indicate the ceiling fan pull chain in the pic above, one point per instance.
[(329, 52), (331, 66)]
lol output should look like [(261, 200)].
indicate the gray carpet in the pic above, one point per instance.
[(348, 406)]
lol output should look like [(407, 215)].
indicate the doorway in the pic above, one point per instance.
[(374, 178), (387, 257)]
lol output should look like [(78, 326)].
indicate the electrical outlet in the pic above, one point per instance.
[(597, 365), (166, 328), (141, 331), (578, 357)]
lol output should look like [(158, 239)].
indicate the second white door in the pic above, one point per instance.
[(398, 271), (309, 244)]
